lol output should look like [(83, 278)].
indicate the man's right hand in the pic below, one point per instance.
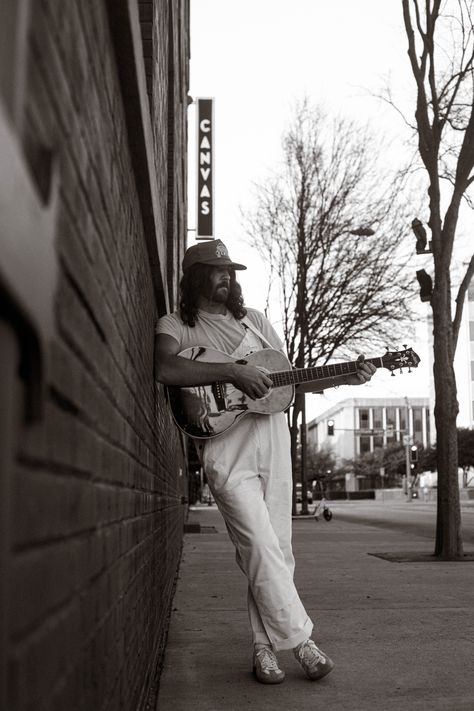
[(171, 369), (251, 381)]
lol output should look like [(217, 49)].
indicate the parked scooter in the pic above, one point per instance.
[(322, 507)]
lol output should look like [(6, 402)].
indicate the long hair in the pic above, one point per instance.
[(195, 283)]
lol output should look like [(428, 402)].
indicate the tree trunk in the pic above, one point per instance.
[(448, 523)]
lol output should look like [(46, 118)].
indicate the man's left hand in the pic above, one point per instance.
[(364, 372)]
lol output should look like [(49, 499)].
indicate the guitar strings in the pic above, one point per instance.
[(298, 375)]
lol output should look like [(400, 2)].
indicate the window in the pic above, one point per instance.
[(418, 424), (377, 415), (378, 441), (364, 419), (403, 420), (391, 422), (364, 444)]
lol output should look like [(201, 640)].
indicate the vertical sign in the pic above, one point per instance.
[(205, 196)]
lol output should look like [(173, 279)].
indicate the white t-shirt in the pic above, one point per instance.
[(223, 332)]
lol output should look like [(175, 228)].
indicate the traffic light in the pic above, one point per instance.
[(330, 428), (421, 237), (413, 455), (426, 284)]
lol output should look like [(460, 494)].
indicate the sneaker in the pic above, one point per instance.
[(265, 665), (315, 663)]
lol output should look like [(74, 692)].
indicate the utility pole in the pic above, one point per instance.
[(406, 483)]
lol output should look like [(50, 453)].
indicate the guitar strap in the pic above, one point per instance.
[(254, 329)]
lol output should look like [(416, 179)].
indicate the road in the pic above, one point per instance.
[(416, 516)]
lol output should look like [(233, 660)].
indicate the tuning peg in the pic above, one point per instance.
[(401, 371), (405, 346), (409, 369), (392, 374)]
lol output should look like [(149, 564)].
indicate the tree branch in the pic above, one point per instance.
[(425, 136)]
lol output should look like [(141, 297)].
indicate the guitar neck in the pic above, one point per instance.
[(308, 375)]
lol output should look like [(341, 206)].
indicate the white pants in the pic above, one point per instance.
[(249, 471)]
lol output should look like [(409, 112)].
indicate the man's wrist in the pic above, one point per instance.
[(231, 374), (340, 380)]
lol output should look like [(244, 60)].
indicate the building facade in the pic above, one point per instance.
[(470, 311), (357, 426), (464, 362), (93, 132)]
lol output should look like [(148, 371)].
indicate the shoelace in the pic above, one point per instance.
[(267, 659), (313, 651)]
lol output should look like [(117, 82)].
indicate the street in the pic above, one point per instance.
[(416, 516)]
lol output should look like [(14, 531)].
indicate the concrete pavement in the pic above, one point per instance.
[(415, 517), (401, 634)]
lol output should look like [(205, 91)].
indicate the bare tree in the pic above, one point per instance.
[(330, 225), (441, 55)]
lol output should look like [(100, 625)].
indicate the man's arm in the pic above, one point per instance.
[(363, 374), (171, 369)]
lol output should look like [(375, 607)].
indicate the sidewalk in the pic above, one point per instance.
[(401, 634)]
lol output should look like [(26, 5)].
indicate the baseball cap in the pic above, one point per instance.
[(212, 252)]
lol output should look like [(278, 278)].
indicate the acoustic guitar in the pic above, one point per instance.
[(205, 411)]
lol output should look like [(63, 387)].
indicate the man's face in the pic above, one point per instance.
[(219, 285)]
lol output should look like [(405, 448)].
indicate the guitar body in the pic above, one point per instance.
[(205, 411)]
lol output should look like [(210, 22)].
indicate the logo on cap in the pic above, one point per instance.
[(221, 250)]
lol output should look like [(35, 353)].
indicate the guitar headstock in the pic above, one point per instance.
[(392, 360)]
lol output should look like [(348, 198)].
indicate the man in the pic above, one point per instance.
[(248, 467)]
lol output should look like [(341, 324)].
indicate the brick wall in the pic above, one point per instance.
[(97, 484)]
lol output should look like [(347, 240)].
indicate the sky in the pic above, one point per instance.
[(256, 58)]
